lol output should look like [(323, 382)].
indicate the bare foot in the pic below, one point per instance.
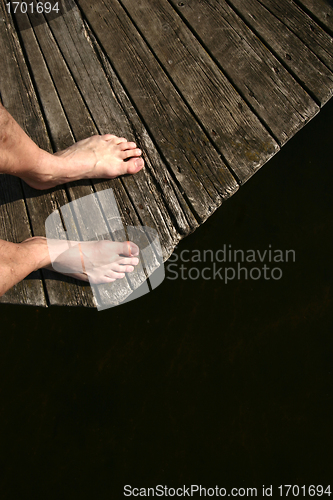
[(99, 156), (94, 261)]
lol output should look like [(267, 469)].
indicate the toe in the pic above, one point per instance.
[(127, 145), (121, 140), (134, 261), (134, 165), (130, 249), (126, 249), (130, 153), (109, 137), (122, 269), (112, 275), (119, 276), (129, 269)]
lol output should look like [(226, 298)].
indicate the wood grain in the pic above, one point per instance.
[(20, 99), (256, 73), (304, 27), (294, 54), (15, 226), (112, 112), (321, 10), (197, 167), (83, 88), (208, 89)]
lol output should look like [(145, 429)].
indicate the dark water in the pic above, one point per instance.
[(199, 382)]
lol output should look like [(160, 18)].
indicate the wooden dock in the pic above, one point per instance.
[(210, 90)]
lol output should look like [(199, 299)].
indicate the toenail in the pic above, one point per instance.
[(139, 162), (133, 249)]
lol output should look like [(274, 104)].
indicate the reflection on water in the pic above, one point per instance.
[(200, 381)]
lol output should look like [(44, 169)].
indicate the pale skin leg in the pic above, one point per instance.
[(17, 260), (95, 157), (104, 261)]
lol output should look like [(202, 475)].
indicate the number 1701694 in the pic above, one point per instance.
[(309, 491), (32, 8)]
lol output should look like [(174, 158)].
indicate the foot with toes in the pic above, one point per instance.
[(94, 261), (106, 156), (99, 156)]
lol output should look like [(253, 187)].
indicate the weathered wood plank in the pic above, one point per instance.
[(111, 117), (114, 228), (90, 223), (304, 27), (20, 99), (255, 72), (232, 127), (316, 78), (15, 225), (183, 144), (96, 217), (181, 108), (79, 121), (47, 63), (159, 182), (204, 87), (321, 10)]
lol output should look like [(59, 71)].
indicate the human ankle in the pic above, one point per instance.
[(37, 251), (41, 173)]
